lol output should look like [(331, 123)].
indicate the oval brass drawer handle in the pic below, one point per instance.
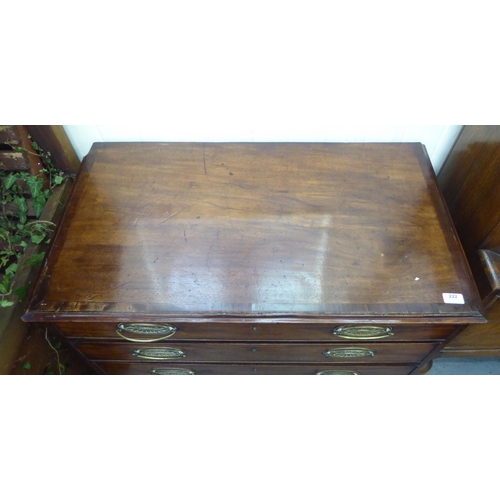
[(363, 332), (165, 331), (165, 353), (337, 372), (349, 352), (171, 371)]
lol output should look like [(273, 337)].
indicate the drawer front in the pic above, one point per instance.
[(332, 353), (264, 332), (120, 368)]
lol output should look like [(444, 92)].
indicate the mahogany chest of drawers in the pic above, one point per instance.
[(255, 258)]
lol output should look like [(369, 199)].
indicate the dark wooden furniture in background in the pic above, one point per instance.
[(253, 258), (470, 181), (18, 346)]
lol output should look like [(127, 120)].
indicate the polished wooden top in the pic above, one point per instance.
[(255, 230)]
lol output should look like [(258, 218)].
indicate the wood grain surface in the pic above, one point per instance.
[(255, 230), (478, 340), (248, 352), (126, 368), (265, 331), (470, 180)]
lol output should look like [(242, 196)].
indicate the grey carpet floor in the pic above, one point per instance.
[(465, 366)]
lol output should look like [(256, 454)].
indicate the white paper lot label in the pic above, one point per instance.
[(453, 298)]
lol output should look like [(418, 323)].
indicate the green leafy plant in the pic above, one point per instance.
[(17, 231), (56, 176), (55, 345)]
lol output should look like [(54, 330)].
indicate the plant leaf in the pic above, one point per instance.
[(37, 238), (35, 184), (23, 208), (6, 303), (39, 204), (16, 240), (11, 270), (36, 259), (20, 201), (58, 180), (21, 292), (10, 180), (6, 283), (26, 366)]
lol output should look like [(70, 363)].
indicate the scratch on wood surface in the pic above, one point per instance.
[(88, 299), (59, 308), (190, 206), (170, 216)]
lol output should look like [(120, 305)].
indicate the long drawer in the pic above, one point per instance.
[(254, 332), (332, 353), (121, 368)]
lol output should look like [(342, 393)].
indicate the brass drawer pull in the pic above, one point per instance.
[(171, 371), (146, 329), (337, 372), (349, 352), (166, 353), (367, 332)]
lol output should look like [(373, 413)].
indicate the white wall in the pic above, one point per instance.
[(438, 139)]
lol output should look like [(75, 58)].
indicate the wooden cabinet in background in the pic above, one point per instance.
[(18, 347), (188, 258), (470, 181)]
